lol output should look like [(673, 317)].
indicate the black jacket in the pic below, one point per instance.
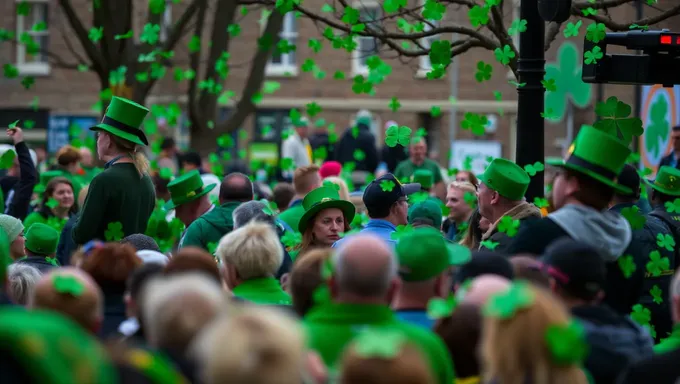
[(365, 141), (66, 244), (114, 314), (18, 191), (667, 160), (392, 156), (38, 262), (320, 140), (659, 369)]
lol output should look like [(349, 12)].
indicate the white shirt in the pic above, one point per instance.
[(295, 148)]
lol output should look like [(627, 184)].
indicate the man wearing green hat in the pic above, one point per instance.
[(425, 262), (41, 246), (583, 189), (418, 160), (426, 213), (189, 198), (501, 193)]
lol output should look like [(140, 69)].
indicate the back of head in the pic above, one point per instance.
[(236, 186), (578, 269), (306, 277), (529, 268), (192, 158), (481, 288), (461, 332), (194, 260), (591, 192), (168, 143), (110, 266), (264, 346), (141, 242), (485, 263), (306, 179), (68, 155), (22, 279), (252, 211), (282, 195), (629, 177), (254, 250)]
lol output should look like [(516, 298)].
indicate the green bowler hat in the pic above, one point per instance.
[(320, 199), (506, 178), (667, 181), (123, 118), (186, 189), (424, 177), (41, 239), (424, 253), (598, 155)]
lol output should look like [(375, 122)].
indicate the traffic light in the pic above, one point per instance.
[(658, 62)]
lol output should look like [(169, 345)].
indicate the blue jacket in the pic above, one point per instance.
[(376, 227)]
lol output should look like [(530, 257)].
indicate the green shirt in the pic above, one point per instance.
[(265, 291), (671, 343), (117, 194), (406, 169), (292, 215), (330, 327), (210, 227)]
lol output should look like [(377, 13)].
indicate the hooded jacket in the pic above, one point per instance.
[(210, 227), (522, 212), (615, 342), (364, 141)]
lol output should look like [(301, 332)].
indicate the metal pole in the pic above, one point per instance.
[(637, 108), (530, 102)]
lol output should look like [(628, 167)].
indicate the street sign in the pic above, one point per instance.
[(660, 111)]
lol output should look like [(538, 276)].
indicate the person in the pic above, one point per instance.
[(671, 159), (418, 160), (578, 276), (66, 244), (425, 214), (74, 294), (305, 278), (251, 255), (501, 193), (359, 138), (305, 180), (87, 164), (425, 263), (21, 281), (461, 200), (296, 147), (189, 198), (68, 163), (672, 342), (584, 187), (14, 231), (339, 184), (192, 160), (528, 267), (482, 288), (170, 156), (123, 193), (461, 331), (282, 195), (330, 169), (363, 282), (323, 146), (41, 247), (209, 228), (132, 329), (22, 177), (474, 230), (194, 259), (661, 369), (467, 177), (392, 156), (141, 242), (57, 205), (325, 219), (386, 201)]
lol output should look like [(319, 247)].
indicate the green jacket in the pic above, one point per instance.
[(292, 215), (210, 227), (671, 343), (330, 327), (265, 291)]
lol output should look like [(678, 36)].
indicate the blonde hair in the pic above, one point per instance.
[(344, 191), (463, 186), (254, 250), (514, 350), (407, 367), (138, 158), (82, 195), (263, 346)]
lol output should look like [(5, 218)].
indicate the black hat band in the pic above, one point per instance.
[(581, 162), (123, 127)]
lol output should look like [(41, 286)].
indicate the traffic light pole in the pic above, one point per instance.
[(530, 99)]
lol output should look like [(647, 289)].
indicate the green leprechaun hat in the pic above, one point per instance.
[(424, 177), (424, 253), (186, 188), (123, 118), (320, 199), (667, 181), (598, 155), (506, 178)]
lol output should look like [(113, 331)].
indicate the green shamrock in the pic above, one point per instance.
[(673, 207), (287, 164), (387, 185), (397, 135), (7, 159), (13, 124), (665, 241), (438, 308), (470, 199), (401, 231), (394, 104), (594, 55), (394, 5), (541, 202), (634, 217), (489, 244), (359, 155), (478, 16), (572, 30), (114, 231), (484, 71), (505, 304), (10, 71), (433, 10), (549, 85), (313, 109), (567, 343), (69, 285), (52, 203), (504, 55), (52, 260), (508, 226), (534, 168), (590, 11), (475, 122), (627, 265), (596, 32), (517, 26), (656, 294), (291, 239), (440, 53), (657, 264), (614, 119), (127, 35), (96, 34), (641, 315), (212, 247), (657, 130), (418, 197), (378, 343), (569, 86)]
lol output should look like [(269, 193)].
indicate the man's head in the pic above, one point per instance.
[(252, 211), (365, 271), (236, 187), (41, 240), (483, 287), (68, 157), (303, 128), (86, 158), (502, 187), (306, 179), (666, 185), (191, 160), (282, 195), (418, 150), (675, 138), (573, 186), (135, 285), (189, 197), (74, 294), (426, 213), (630, 178), (168, 146), (386, 198), (461, 199)]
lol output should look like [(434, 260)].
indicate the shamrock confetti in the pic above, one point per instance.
[(489, 244), (378, 343), (291, 239), (657, 264), (438, 308), (673, 207), (627, 265), (641, 315), (478, 15), (665, 241), (474, 122), (508, 226), (52, 260), (615, 118), (596, 32), (52, 203), (517, 26), (401, 231), (114, 231), (397, 135), (567, 343), (656, 294), (594, 55), (387, 185), (504, 55), (534, 168), (484, 71), (69, 285), (572, 30), (634, 217), (505, 304)]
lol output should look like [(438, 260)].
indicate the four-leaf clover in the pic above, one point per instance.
[(397, 135)]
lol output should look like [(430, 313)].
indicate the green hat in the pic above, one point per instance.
[(424, 177), (667, 181), (41, 239), (427, 209), (50, 348), (598, 155), (424, 253), (322, 198), (45, 178), (123, 118), (506, 178), (186, 189)]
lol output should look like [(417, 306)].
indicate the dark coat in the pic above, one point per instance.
[(19, 191), (114, 315), (659, 369), (667, 160), (38, 262), (66, 245), (321, 140), (392, 156), (365, 141), (523, 212)]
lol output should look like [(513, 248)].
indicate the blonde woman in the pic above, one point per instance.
[(122, 197), (343, 190), (529, 338)]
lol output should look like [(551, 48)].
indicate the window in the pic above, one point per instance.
[(425, 65), (366, 46), (33, 36), (284, 63), (166, 22)]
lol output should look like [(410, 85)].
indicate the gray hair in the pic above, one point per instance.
[(354, 278), (252, 211), (22, 279)]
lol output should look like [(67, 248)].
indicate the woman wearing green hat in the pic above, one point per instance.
[(326, 217), (123, 193), (56, 206)]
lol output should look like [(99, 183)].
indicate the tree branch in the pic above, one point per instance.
[(82, 34), (195, 113), (551, 34), (618, 27)]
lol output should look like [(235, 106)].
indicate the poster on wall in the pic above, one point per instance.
[(62, 129), (473, 155), (659, 113)]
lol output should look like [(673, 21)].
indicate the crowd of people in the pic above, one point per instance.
[(172, 274)]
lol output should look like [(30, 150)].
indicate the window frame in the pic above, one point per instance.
[(357, 55), (288, 65), (37, 68), (166, 22)]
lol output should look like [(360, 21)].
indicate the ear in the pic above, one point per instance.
[(495, 197), (284, 282), (395, 286), (230, 276)]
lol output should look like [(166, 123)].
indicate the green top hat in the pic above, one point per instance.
[(41, 239), (598, 155), (123, 118), (667, 181), (186, 188), (424, 253), (506, 178), (320, 199), (424, 177), (427, 209)]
